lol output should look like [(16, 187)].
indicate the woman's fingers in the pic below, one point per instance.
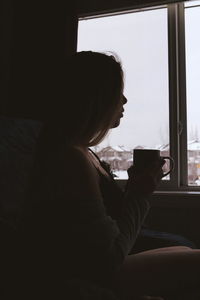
[(156, 166), (155, 169), (145, 181)]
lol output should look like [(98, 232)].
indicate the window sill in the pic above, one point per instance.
[(188, 199), (171, 197)]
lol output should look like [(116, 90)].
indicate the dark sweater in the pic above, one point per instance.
[(79, 238), (61, 238)]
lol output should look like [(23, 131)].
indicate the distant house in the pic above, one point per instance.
[(139, 147), (193, 161), (118, 157), (164, 149)]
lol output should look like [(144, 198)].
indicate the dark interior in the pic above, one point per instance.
[(38, 36)]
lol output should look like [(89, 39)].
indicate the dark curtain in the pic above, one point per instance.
[(38, 35), (7, 26)]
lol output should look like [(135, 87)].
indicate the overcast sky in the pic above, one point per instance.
[(192, 24), (140, 41)]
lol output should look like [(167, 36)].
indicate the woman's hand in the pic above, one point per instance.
[(145, 182)]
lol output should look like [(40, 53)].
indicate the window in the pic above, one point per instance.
[(146, 118), (192, 41), (160, 55)]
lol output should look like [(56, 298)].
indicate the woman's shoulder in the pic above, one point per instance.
[(77, 159), (76, 156), (79, 170)]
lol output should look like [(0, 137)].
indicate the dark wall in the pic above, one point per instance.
[(177, 213), (38, 36)]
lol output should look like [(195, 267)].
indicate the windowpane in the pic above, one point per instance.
[(192, 24), (192, 3), (140, 39)]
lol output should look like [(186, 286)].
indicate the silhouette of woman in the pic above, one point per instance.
[(80, 224)]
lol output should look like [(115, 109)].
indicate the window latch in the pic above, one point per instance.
[(180, 127)]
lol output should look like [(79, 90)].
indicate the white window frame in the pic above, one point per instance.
[(177, 96)]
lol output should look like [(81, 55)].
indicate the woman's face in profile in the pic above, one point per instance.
[(120, 113)]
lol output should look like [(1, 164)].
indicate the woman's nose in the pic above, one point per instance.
[(124, 100)]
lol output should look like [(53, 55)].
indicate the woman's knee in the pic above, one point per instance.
[(171, 249)]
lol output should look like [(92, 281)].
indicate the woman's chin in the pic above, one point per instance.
[(116, 124)]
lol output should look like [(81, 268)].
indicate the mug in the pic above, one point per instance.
[(143, 157)]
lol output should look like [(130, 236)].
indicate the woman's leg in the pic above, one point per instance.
[(159, 272)]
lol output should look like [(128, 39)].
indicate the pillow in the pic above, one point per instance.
[(17, 143)]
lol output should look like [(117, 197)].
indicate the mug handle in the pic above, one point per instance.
[(171, 163)]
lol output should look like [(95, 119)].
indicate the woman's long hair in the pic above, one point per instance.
[(89, 99), (90, 95), (93, 88)]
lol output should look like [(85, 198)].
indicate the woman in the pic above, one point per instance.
[(81, 225)]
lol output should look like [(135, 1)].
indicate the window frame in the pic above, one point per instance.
[(177, 95)]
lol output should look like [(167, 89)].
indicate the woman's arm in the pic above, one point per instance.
[(90, 243), (104, 242)]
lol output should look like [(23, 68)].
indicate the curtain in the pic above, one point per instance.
[(7, 22), (38, 35)]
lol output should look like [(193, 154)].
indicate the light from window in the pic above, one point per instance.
[(140, 40), (192, 3), (192, 38)]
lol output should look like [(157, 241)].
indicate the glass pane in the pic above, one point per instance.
[(192, 3), (140, 40), (192, 24)]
